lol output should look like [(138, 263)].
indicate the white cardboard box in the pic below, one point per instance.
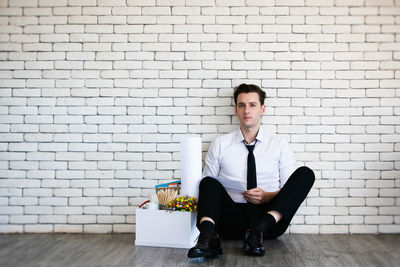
[(160, 228)]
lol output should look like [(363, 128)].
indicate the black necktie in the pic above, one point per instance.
[(251, 169)]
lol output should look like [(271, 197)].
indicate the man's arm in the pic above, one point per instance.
[(211, 166), (287, 163)]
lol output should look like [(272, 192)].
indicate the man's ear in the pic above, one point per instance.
[(262, 109), (236, 112)]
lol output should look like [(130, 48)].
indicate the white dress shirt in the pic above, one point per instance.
[(226, 161)]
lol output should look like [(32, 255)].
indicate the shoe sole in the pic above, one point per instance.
[(211, 254), (252, 253)]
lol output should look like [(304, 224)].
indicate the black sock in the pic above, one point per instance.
[(267, 222), (207, 226)]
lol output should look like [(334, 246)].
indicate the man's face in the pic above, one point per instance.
[(249, 110)]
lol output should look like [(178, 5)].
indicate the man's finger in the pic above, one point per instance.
[(251, 192)]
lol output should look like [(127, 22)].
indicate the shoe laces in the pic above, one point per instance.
[(204, 238)]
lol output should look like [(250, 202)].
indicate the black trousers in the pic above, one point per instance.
[(233, 219)]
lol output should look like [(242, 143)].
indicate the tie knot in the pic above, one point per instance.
[(250, 148)]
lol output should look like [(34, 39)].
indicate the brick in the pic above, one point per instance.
[(328, 3), (82, 165), (157, 29), (114, 201), (83, 219), (11, 210), (240, 10), (363, 47), (82, 2), (320, 19), (276, 29), (381, 201), (69, 174), (363, 229), (334, 229), (11, 65), (96, 210), (333, 10), (53, 201), (37, 210), (304, 229), (132, 174), (97, 192), (334, 211), (39, 29), (314, 30), (123, 228), (97, 228), (66, 211), (389, 192), (290, 19), (111, 219), (82, 201), (42, 228), (92, 175), (111, 19), (319, 219), (349, 220), (21, 201), (320, 201), (23, 165), (350, 201), (389, 210), (110, 38)]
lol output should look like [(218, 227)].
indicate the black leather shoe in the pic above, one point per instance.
[(253, 243), (208, 246)]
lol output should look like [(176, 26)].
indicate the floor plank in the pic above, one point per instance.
[(119, 250)]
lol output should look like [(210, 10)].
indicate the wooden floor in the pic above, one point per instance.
[(119, 250)]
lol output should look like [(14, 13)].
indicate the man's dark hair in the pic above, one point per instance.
[(249, 88)]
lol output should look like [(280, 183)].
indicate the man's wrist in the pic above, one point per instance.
[(265, 197), (268, 196)]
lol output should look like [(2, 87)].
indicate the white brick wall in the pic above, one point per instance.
[(95, 96)]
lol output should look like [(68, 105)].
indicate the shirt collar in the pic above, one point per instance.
[(259, 137)]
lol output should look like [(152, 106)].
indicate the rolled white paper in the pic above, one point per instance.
[(154, 198), (152, 206), (190, 166)]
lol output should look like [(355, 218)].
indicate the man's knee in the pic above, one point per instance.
[(208, 185), (307, 175), (208, 181)]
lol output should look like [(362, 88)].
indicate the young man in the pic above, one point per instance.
[(251, 189)]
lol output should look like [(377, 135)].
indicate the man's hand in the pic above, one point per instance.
[(258, 196)]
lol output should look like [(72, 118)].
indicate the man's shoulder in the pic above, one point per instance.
[(276, 138), (227, 136), (225, 139)]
